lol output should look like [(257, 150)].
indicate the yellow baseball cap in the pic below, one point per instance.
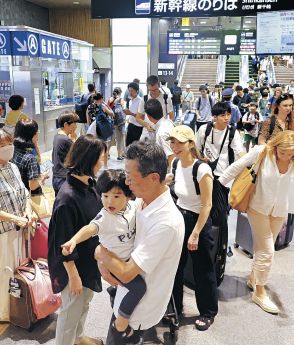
[(182, 133)]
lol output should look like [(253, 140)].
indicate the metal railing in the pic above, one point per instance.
[(181, 67), (270, 72), (244, 70)]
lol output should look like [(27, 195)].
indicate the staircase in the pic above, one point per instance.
[(284, 74), (199, 72), (232, 73)]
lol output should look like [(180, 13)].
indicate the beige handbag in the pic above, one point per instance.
[(42, 204), (244, 185)]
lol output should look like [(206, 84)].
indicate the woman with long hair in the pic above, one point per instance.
[(271, 202), (280, 120), (76, 276), (194, 200)]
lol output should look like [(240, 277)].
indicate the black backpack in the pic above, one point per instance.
[(249, 126), (231, 130), (82, 106), (165, 97), (199, 102), (219, 194)]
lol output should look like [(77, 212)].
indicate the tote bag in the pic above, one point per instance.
[(244, 185)]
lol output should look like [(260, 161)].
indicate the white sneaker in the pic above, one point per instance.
[(266, 304)]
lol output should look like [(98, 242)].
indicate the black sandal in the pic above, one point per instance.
[(208, 321)]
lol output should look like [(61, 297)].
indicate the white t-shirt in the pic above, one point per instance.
[(158, 245), (117, 231), (167, 108), (162, 129), (185, 186), (251, 117), (212, 149), (134, 106)]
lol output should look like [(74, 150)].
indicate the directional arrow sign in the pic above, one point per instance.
[(22, 46)]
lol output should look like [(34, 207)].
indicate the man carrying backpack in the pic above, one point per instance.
[(220, 143), (176, 92), (203, 107), (81, 108), (251, 121), (242, 101)]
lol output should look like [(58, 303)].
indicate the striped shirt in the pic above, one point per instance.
[(13, 194)]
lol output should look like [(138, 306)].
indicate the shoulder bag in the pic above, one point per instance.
[(244, 185)]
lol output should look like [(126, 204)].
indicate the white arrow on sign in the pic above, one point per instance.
[(22, 45)]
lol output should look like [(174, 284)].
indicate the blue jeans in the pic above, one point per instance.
[(176, 110)]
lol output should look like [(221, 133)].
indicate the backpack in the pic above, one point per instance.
[(249, 126), (119, 115), (165, 97), (104, 124), (231, 130), (199, 102), (176, 94), (82, 106), (219, 194)]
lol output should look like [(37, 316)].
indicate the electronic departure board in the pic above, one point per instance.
[(193, 43), (247, 42), (275, 32)]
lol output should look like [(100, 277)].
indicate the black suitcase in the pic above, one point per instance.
[(286, 234), (244, 235), (219, 253)]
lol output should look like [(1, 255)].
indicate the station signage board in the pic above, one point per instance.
[(5, 46), (185, 8), (27, 43)]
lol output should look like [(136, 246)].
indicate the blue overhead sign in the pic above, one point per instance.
[(55, 48), (5, 46), (26, 43)]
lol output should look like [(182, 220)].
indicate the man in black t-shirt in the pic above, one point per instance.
[(67, 121)]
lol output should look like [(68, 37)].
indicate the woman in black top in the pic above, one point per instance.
[(76, 276)]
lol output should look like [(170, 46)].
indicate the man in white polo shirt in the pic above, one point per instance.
[(158, 243), (162, 126), (155, 92), (134, 131)]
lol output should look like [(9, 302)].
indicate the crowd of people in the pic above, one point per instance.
[(137, 226)]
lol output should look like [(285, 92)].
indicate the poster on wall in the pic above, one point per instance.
[(279, 33)]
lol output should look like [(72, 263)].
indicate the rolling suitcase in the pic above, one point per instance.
[(244, 235), (31, 296), (286, 234)]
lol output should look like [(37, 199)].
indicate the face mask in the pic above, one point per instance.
[(6, 153)]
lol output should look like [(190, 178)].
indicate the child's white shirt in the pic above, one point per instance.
[(117, 231)]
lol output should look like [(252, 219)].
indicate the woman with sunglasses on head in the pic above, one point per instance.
[(269, 206), (282, 119)]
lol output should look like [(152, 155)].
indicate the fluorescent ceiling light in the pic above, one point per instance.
[(203, 22), (76, 2), (248, 21)]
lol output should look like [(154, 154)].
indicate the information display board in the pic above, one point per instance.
[(193, 43), (184, 8), (275, 32)]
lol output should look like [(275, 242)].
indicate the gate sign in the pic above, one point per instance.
[(5, 46), (185, 8), (55, 48), (26, 43)]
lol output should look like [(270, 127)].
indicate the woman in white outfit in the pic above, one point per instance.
[(271, 202)]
